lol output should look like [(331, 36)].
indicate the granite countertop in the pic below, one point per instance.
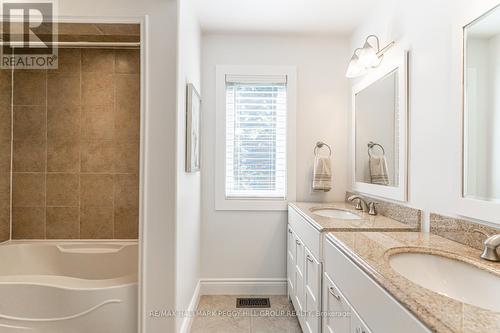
[(366, 223), (371, 252)]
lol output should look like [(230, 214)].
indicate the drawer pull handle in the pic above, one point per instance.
[(332, 291), (297, 241), (309, 258), (289, 231)]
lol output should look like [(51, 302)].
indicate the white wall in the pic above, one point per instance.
[(432, 32), (188, 184), (237, 244), (159, 170)]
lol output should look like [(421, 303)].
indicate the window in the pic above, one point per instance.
[(256, 109), (255, 117)]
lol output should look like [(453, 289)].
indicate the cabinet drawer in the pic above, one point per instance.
[(337, 318), (368, 299), (305, 231)]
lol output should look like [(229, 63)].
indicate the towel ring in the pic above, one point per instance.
[(372, 144), (320, 145)]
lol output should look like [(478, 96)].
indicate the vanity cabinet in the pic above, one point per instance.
[(339, 315), (372, 309), (312, 282), (304, 270), (337, 312), (295, 270)]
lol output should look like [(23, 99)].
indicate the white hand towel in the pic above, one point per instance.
[(378, 170), (322, 174)]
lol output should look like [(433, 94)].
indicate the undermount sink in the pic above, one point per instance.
[(335, 213), (453, 278)]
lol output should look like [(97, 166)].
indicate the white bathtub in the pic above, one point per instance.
[(68, 287)]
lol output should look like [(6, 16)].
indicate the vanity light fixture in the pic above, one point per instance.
[(366, 57)]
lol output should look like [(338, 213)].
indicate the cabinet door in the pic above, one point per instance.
[(299, 274), (357, 325), (337, 316), (299, 254), (312, 276), (312, 272), (290, 267)]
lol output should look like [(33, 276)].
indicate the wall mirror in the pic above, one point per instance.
[(380, 131), (481, 116)]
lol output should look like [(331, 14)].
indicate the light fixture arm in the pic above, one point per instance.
[(376, 39), (387, 47)]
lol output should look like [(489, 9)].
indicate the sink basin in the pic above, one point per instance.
[(453, 278), (336, 213)]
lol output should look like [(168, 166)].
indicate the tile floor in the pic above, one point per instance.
[(229, 319)]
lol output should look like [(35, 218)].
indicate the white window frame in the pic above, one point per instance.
[(263, 204)]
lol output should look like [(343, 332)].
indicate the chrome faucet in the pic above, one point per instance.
[(491, 244), (371, 208), (361, 204)]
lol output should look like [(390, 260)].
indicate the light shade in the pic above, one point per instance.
[(368, 56), (355, 68)]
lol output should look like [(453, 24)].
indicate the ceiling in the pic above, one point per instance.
[(283, 16)]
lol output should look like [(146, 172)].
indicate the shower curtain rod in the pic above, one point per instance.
[(76, 44)]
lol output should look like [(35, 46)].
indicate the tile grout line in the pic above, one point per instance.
[(46, 149), (114, 143), (82, 124), (11, 151)]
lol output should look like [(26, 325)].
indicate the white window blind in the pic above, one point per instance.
[(256, 121)]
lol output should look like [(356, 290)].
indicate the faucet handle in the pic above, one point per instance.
[(357, 201), (372, 210), (358, 205), (491, 243)]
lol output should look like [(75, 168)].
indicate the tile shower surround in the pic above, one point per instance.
[(5, 153), (75, 147)]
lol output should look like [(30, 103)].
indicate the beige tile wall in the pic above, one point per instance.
[(5, 150), (76, 147)]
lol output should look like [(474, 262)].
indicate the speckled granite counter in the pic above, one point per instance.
[(366, 223), (371, 252)]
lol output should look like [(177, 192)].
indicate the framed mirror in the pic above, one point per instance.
[(379, 131), (481, 117)]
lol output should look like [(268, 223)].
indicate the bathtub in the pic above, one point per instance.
[(68, 287)]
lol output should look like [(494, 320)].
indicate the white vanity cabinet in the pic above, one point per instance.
[(357, 325), (304, 270), (372, 309), (337, 311)]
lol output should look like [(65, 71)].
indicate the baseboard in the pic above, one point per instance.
[(243, 287), (187, 321)]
